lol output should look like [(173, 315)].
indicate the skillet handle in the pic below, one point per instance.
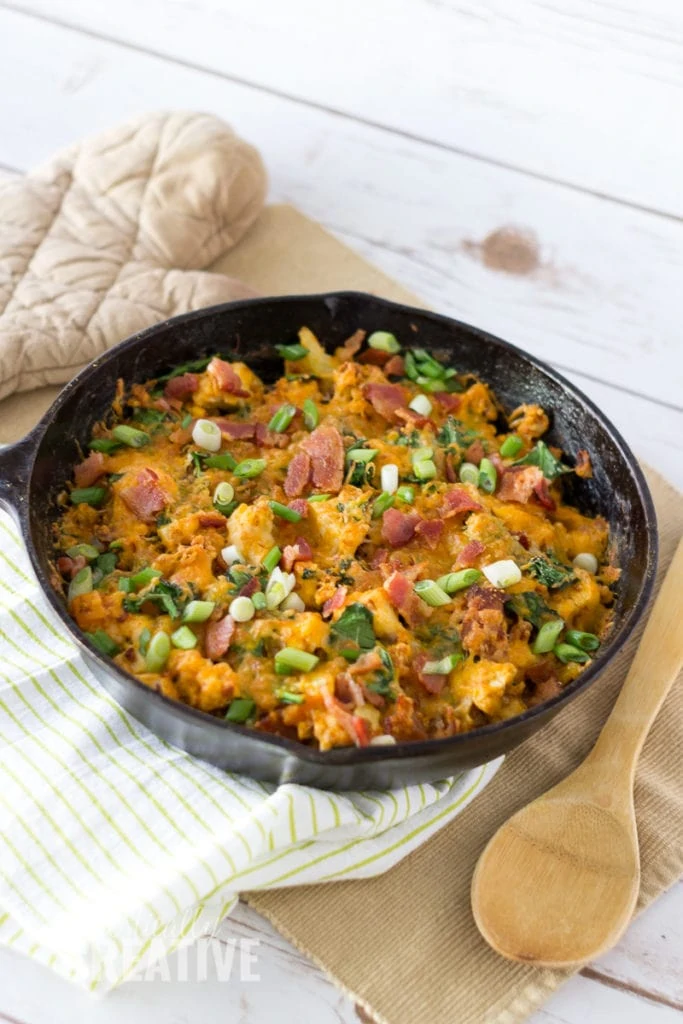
[(16, 461)]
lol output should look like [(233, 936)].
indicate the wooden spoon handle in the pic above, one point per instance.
[(654, 669)]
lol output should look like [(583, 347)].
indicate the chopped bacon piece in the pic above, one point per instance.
[(351, 345), (226, 377), (211, 520), (374, 357), (451, 475), (298, 475), (348, 691), (266, 438), (162, 405), (518, 483), (498, 463), (368, 662), (483, 626), (356, 727), (182, 387), (451, 403), (386, 398), (522, 538), (543, 495), (90, 470), (432, 683), (300, 506), (544, 691), (326, 450), (399, 588), (395, 367), (335, 602), (457, 500), (475, 453), (412, 417), (70, 566), (431, 530), (398, 528), (469, 554), (583, 467), (300, 551), (218, 636), (403, 723), (237, 430), (182, 435), (145, 497), (250, 587), (379, 558)]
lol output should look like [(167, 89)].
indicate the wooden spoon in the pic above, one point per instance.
[(557, 884)]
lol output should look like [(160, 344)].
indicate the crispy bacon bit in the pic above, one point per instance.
[(270, 438), (476, 452), (545, 689), (457, 500), (182, 387), (430, 530), (298, 475), (351, 345), (583, 467), (399, 588), (356, 727), (403, 723), (368, 662), (432, 683), (218, 636), (162, 405), (300, 506), (182, 435), (379, 558), (451, 403), (250, 587), (90, 470), (469, 554), (70, 566), (412, 417), (300, 551), (543, 495), (335, 602), (211, 520), (374, 357), (395, 367), (398, 528), (237, 431), (483, 626), (522, 538), (348, 691), (145, 497), (519, 482), (451, 475), (386, 398), (326, 450), (226, 377)]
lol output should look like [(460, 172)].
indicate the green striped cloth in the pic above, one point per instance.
[(116, 848)]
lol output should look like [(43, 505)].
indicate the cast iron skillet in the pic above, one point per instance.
[(33, 472)]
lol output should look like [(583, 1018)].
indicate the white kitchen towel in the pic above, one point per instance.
[(116, 848)]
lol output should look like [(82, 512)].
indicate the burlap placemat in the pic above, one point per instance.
[(404, 944)]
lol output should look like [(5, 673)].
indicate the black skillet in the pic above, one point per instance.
[(35, 470)]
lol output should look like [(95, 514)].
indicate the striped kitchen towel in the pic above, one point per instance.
[(118, 848)]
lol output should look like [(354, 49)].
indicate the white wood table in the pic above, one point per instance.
[(518, 164)]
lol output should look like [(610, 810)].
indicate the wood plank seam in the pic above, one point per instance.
[(626, 986)]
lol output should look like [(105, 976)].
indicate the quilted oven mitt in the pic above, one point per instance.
[(110, 236)]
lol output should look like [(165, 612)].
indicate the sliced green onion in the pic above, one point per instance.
[(282, 418), (87, 551), (250, 468), (361, 454), (383, 341), (410, 366), (586, 561), (406, 493), (504, 573), (287, 697), (292, 352), (289, 659), (198, 611), (548, 635), (452, 582), (242, 609), (389, 478), (382, 503), (425, 470), (432, 385), (442, 667), (143, 577), (421, 454), (421, 404), (259, 601), (130, 436), (231, 554), (350, 653), (103, 642), (207, 435), (275, 595), (184, 638), (488, 477), (143, 641), (293, 603), (157, 652), (469, 473), (584, 641), (431, 593), (223, 495), (311, 415), (271, 559), (104, 444), (319, 497), (88, 496), (285, 512), (124, 585), (186, 420), (567, 652), (81, 583), (511, 446), (222, 461), (240, 710)]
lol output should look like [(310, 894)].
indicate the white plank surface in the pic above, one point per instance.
[(441, 99)]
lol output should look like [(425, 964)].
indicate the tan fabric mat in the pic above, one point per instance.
[(404, 944)]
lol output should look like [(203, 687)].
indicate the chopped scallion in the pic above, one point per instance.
[(504, 573), (292, 352), (319, 497), (406, 494), (287, 697), (289, 659), (222, 461), (383, 341), (382, 503), (511, 446), (104, 444), (311, 416), (452, 582), (242, 609), (82, 583), (240, 710), (143, 577), (87, 551), (130, 436), (548, 635), (207, 435), (143, 641), (271, 559), (431, 593), (250, 468), (259, 601), (443, 666), (158, 651), (88, 496), (103, 642), (198, 611), (284, 512), (425, 470), (567, 652), (469, 473), (223, 495), (282, 418), (584, 641), (488, 477), (184, 638), (361, 454)]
